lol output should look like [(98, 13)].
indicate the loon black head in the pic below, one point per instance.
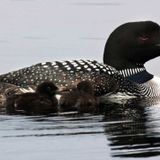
[(47, 88), (132, 44)]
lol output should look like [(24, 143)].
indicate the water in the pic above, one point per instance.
[(123, 131), (33, 31)]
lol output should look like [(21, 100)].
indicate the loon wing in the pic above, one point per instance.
[(67, 74)]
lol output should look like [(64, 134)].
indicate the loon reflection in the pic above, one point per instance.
[(133, 131)]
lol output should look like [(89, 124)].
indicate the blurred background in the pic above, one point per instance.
[(33, 31)]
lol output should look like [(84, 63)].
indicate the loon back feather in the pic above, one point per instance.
[(67, 75)]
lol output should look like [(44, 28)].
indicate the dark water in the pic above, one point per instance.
[(127, 130)]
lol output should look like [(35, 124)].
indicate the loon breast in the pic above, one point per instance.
[(154, 85), (141, 76)]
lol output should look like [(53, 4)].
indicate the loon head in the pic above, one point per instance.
[(132, 44), (47, 88)]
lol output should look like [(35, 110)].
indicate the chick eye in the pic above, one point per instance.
[(49, 89)]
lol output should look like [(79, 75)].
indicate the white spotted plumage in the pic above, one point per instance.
[(68, 73)]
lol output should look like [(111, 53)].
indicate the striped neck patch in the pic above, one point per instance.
[(131, 71)]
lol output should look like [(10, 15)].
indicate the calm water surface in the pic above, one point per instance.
[(34, 31), (123, 131)]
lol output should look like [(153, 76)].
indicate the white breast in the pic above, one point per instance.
[(154, 86), (155, 80), (150, 89)]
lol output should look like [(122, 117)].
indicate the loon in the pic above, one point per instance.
[(81, 99), (67, 74), (127, 49), (43, 101)]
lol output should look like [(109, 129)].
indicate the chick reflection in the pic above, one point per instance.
[(131, 133)]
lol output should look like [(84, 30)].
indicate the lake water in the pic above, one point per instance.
[(123, 131), (33, 31)]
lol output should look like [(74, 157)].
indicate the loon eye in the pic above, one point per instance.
[(143, 38)]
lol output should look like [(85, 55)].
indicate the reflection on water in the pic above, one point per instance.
[(54, 126), (129, 129), (134, 131)]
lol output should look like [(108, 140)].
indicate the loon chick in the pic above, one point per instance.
[(128, 47), (7, 90), (43, 101), (81, 99)]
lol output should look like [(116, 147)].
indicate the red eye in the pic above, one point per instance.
[(143, 38)]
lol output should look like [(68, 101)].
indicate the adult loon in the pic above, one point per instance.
[(136, 43), (128, 47), (43, 101), (67, 74)]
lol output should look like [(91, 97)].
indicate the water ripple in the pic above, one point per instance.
[(130, 130)]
